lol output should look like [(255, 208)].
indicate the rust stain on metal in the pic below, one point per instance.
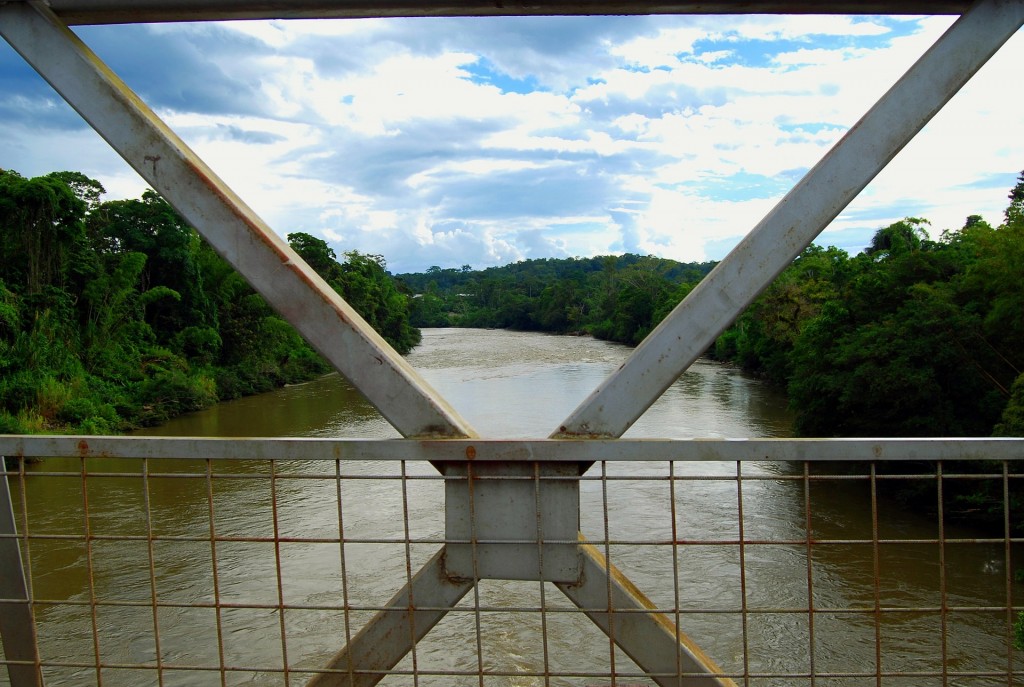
[(152, 159), (83, 448), (470, 452), (446, 577)]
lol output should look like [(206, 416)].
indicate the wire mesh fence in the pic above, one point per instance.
[(195, 572)]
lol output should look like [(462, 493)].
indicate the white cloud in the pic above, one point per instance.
[(665, 135), (660, 50)]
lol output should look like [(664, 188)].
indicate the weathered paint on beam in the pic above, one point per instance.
[(795, 221), (121, 11), (290, 286), (553, 451), (389, 636)]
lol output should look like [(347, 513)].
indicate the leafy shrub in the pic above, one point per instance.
[(173, 392), (200, 345), (9, 424), (51, 397), (76, 411)]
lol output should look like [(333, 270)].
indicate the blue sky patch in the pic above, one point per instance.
[(756, 52), (483, 71), (742, 186)]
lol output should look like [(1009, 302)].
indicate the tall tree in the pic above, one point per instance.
[(150, 226), (43, 231)]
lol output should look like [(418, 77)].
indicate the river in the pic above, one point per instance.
[(506, 385)]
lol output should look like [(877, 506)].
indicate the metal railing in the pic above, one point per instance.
[(281, 582), (785, 562)]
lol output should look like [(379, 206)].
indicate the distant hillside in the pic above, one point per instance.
[(619, 298), (553, 268)]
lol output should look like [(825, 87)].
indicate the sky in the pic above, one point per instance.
[(455, 141)]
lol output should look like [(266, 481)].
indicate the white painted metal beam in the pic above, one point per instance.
[(796, 221), (647, 636), (134, 11), (553, 451), (391, 634), (290, 286)]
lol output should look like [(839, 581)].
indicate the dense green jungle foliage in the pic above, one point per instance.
[(117, 314), (911, 337), (617, 298)]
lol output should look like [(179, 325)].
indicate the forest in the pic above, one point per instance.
[(116, 314)]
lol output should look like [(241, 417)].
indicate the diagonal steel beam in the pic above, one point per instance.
[(796, 221), (290, 286), (250, 246), (648, 637), (719, 299), (387, 639)]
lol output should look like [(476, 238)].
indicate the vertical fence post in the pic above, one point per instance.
[(17, 626)]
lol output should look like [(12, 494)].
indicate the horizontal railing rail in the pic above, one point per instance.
[(517, 450)]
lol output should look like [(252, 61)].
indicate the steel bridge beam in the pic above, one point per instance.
[(392, 633), (630, 620), (269, 264), (796, 221), (17, 626), (519, 451), (135, 11)]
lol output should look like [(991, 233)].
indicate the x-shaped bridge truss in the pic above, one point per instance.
[(543, 509)]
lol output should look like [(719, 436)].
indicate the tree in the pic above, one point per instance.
[(1015, 210), (150, 226), (43, 232), (87, 190), (1012, 422), (317, 254), (763, 338), (902, 237), (366, 285)]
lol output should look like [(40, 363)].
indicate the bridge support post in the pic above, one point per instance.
[(17, 625)]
